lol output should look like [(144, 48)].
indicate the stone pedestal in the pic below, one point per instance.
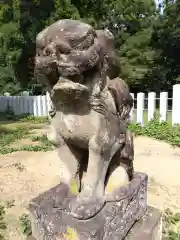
[(51, 218), (149, 227)]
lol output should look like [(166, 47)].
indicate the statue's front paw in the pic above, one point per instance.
[(84, 207)]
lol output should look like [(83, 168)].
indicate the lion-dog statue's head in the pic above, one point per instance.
[(72, 59)]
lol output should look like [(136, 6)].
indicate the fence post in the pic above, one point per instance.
[(176, 105), (49, 103), (140, 108), (132, 110), (2, 103), (35, 106), (43, 102), (151, 105), (163, 106)]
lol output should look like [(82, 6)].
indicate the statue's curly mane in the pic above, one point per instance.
[(68, 48)]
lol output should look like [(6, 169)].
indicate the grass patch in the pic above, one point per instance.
[(161, 131), (10, 115), (34, 120), (43, 139), (3, 224), (37, 148), (24, 222), (171, 225), (145, 116), (25, 225), (10, 135)]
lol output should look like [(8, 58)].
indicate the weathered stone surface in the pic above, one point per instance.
[(149, 227), (50, 216), (90, 112)]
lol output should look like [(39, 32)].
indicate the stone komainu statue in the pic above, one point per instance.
[(89, 127)]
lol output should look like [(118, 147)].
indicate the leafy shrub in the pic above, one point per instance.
[(9, 135), (161, 131), (33, 119), (170, 223), (3, 225), (25, 225)]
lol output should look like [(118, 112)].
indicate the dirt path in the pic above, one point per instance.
[(24, 175), (162, 164)]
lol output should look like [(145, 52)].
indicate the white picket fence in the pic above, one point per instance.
[(40, 105)]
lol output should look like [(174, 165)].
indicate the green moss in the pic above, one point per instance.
[(111, 187), (74, 187), (71, 234)]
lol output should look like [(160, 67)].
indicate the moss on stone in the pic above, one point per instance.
[(71, 234), (111, 187), (74, 187)]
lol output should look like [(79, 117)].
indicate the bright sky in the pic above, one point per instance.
[(157, 1)]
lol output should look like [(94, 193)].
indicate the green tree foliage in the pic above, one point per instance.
[(147, 41), (136, 58), (20, 22), (166, 42), (11, 46), (128, 20), (131, 22)]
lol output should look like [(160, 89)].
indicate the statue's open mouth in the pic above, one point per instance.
[(71, 84), (66, 85)]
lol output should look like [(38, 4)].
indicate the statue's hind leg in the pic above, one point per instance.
[(127, 154), (121, 168)]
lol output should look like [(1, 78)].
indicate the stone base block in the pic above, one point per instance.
[(51, 218), (149, 227)]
